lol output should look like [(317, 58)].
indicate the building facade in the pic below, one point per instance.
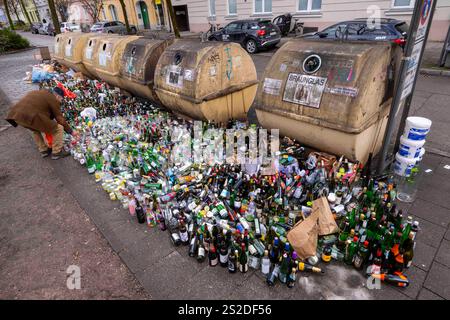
[(314, 13), (195, 15)]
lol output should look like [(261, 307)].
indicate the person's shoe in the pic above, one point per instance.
[(46, 153), (61, 154)]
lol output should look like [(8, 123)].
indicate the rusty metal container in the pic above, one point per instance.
[(58, 48), (209, 81), (333, 96), (74, 45), (138, 64), (108, 58), (90, 52)]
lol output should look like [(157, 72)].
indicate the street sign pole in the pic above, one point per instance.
[(406, 82)]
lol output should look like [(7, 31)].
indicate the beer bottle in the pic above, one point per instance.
[(212, 256), (140, 214), (265, 263), (271, 278), (243, 260), (275, 252), (291, 278), (201, 254), (350, 250), (232, 261), (375, 267), (184, 236), (361, 256), (284, 268), (223, 254), (397, 279), (408, 250), (302, 266), (193, 246)]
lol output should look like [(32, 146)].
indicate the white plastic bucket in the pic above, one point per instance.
[(417, 128), (410, 148), (403, 165), (420, 157)]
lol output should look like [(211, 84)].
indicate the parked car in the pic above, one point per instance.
[(112, 27), (47, 29), (70, 27), (359, 29), (253, 35), (34, 28)]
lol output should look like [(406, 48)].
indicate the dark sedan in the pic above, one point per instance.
[(35, 26), (364, 30), (253, 35)]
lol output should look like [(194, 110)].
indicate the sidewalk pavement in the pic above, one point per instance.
[(167, 272)]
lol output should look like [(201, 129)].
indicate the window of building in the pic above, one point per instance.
[(263, 6), (402, 3), (309, 5), (232, 7), (112, 11), (212, 8)]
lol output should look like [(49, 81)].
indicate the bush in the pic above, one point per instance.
[(26, 28), (9, 40)]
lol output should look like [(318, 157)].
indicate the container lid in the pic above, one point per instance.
[(419, 122)]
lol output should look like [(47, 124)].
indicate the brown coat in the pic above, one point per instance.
[(37, 110)]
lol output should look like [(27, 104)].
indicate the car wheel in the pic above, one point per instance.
[(250, 46), (133, 30), (110, 31)]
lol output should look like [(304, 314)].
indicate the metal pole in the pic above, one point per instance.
[(397, 101), (410, 97)]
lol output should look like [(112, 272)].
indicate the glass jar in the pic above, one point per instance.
[(407, 187)]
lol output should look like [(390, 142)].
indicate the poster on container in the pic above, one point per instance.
[(304, 90)]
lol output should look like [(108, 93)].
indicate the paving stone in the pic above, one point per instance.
[(423, 256), (416, 278), (447, 234), (443, 255), (426, 294), (213, 284), (256, 288), (388, 292), (171, 276), (429, 233), (431, 161), (430, 211), (438, 280)]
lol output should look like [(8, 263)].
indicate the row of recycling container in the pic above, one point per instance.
[(333, 96)]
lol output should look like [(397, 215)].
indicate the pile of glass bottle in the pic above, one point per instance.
[(224, 215)]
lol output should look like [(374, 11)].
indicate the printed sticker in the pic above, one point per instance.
[(188, 75), (283, 67), (304, 90), (89, 53), (68, 50), (272, 86), (213, 71), (343, 91), (237, 61), (175, 76)]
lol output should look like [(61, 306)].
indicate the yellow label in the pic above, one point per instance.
[(157, 1)]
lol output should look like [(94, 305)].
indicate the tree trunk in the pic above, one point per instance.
[(25, 13), (125, 17), (172, 18), (11, 4), (51, 5), (11, 25)]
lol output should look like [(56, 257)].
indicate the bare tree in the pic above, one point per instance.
[(93, 8), (13, 4), (5, 4), (62, 7), (54, 15)]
